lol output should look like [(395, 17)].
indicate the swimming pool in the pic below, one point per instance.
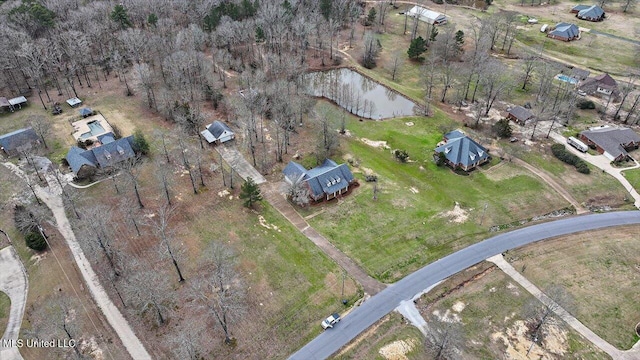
[(94, 129), (566, 78)]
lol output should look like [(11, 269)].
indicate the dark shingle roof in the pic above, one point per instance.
[(591, 12), (106, 155), (15, 139), (106, 138), (565, 30), (4, 102), (324, 179), (521, 113), (611, 139), (604, 81), (453, 135), (217, 128), (463, 151), (77, 157), (580, 7)]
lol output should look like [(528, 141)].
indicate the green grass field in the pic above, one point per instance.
[(599, 270), (492, 309), (408, 226), (5, 308), (633, 176)]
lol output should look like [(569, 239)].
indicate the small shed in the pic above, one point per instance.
[(17, 101), (74, 102), (86, 112), (4, 103), (520, 115)]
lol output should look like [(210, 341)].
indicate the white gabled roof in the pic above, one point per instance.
[(426, 15)]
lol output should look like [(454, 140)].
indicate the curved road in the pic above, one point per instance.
[(14, 283), (384, 302)]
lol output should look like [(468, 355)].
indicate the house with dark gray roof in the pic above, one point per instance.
[(11, 143), (324, 182), (611, 142), (462, 152), (602, 85), (576, 9), (217, 133), (520, 115), (565, 32), (84, 163), (591, 13)]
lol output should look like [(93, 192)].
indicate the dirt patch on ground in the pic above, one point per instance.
[(457, 215), (517, 342), (375, 144), (398, 350)]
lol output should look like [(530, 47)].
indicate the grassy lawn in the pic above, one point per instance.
[(408, 226), (595, 190), (491, 307), (599, 270), (382, 336), (5, 308), (633, 176)]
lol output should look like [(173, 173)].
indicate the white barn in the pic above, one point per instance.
[(427, 15)]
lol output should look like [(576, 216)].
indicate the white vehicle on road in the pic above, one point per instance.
[(330, 321)]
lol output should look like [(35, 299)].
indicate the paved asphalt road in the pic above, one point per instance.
[(384, 302)]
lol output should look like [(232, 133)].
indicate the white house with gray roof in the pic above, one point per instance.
[(217, 133), (462, 152), (324, 182)]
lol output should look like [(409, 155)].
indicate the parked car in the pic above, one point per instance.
[(330, 321), (582, 93)]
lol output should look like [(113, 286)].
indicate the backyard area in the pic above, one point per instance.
[(599, 270)]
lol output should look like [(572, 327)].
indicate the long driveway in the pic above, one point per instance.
[(14, 283), (388, 299), (51, 196)]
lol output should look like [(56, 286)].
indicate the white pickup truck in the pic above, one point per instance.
[(330, 321)]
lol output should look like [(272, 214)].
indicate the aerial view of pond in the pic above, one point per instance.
[(358, 94)]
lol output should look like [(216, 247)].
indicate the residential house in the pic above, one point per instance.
[(428, 16), (589, 13), (520, 115), (324, 182), (218, 133), (576, 9), (111, 152), (612, 142), (602, 85), (575, 72), (12, 142), (461, 151), (565, 32)]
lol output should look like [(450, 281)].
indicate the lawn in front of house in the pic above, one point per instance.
[(423, 212), (633, 176), (596, 190), (599, 269)]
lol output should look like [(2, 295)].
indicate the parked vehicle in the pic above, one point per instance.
[(582, 93), (577, 144), (330, 321)]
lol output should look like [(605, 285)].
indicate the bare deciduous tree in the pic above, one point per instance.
[(160, 224), (221, 290), (444, 339), (41, 126)]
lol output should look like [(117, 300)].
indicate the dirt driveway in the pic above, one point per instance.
[(14, 283)]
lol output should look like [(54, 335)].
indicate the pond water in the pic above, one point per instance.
[(359, 95)]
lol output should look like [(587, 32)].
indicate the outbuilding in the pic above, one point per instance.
[(218, 133), (428, 16)]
